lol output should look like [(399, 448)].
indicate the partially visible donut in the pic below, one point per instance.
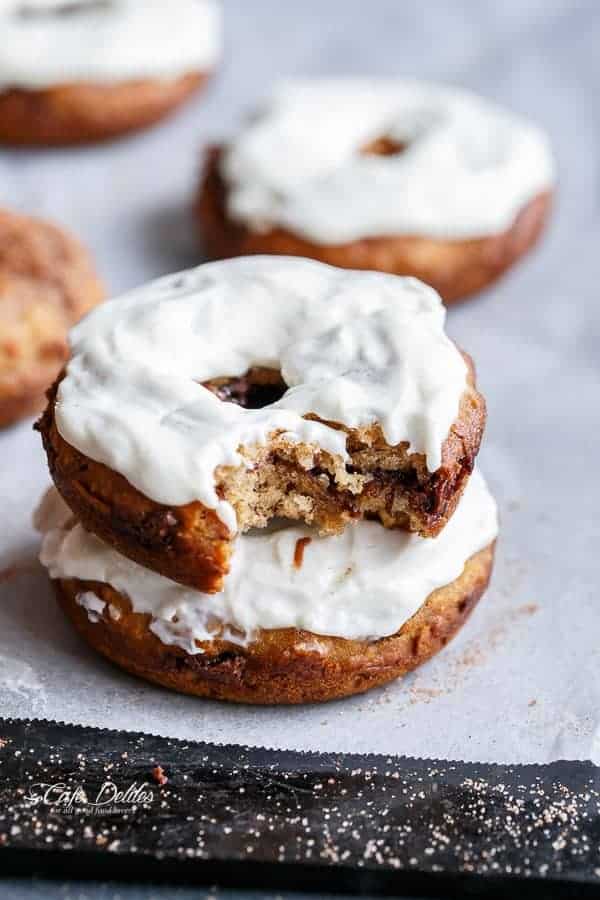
[(338, 397), (74, 71), (82, 113), (401, 177), (47, 282)]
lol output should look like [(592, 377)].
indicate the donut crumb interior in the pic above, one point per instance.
[(302, 482)]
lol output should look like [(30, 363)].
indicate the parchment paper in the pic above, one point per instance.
[(521, 683)]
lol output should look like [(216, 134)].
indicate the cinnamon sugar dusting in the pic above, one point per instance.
[(10, 573), (423, 695), (158, 774), (474, 654), (301, 545)]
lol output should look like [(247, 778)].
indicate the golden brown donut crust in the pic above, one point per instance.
[(455, 268), (47, 282), (81, 113), (191, 545), (284, 665)]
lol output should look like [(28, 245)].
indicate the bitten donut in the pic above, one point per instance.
[(400, 176), (301, 617), (47, 282), (73, 71), (212, 401)]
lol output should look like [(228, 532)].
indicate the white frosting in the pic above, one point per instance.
[(353, 347), (362, 584), (92, 604), (105, 41), (468, 167)]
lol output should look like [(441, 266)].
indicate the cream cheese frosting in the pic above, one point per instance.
[(51, 42), (352, 347), (467, 168), (362, 584)]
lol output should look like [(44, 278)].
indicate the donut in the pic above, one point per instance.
[(75, 71), (346, 614), (215, 400), (399, 176), (47, 282)]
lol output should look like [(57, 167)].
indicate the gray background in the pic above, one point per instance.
[(521, 682)]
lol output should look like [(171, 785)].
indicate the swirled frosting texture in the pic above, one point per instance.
[(362, 584), (353, 347), (467, 168), (51, 42)]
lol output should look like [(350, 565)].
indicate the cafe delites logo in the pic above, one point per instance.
[(108, 799)]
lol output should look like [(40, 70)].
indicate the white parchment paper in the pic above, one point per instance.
[(522, 681)]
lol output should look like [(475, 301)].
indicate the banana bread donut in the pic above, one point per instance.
[(301, 618), (73, 71), (211, 401), (400, 176), (47, 282)]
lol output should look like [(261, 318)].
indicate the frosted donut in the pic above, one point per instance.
[(345, 614), (347, 400), (404, 177), (73, 71), (47, 282)]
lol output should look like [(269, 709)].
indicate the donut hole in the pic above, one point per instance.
[(257, 388), (384, 146)]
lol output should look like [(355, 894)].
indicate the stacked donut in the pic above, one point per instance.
[(264, 486)]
